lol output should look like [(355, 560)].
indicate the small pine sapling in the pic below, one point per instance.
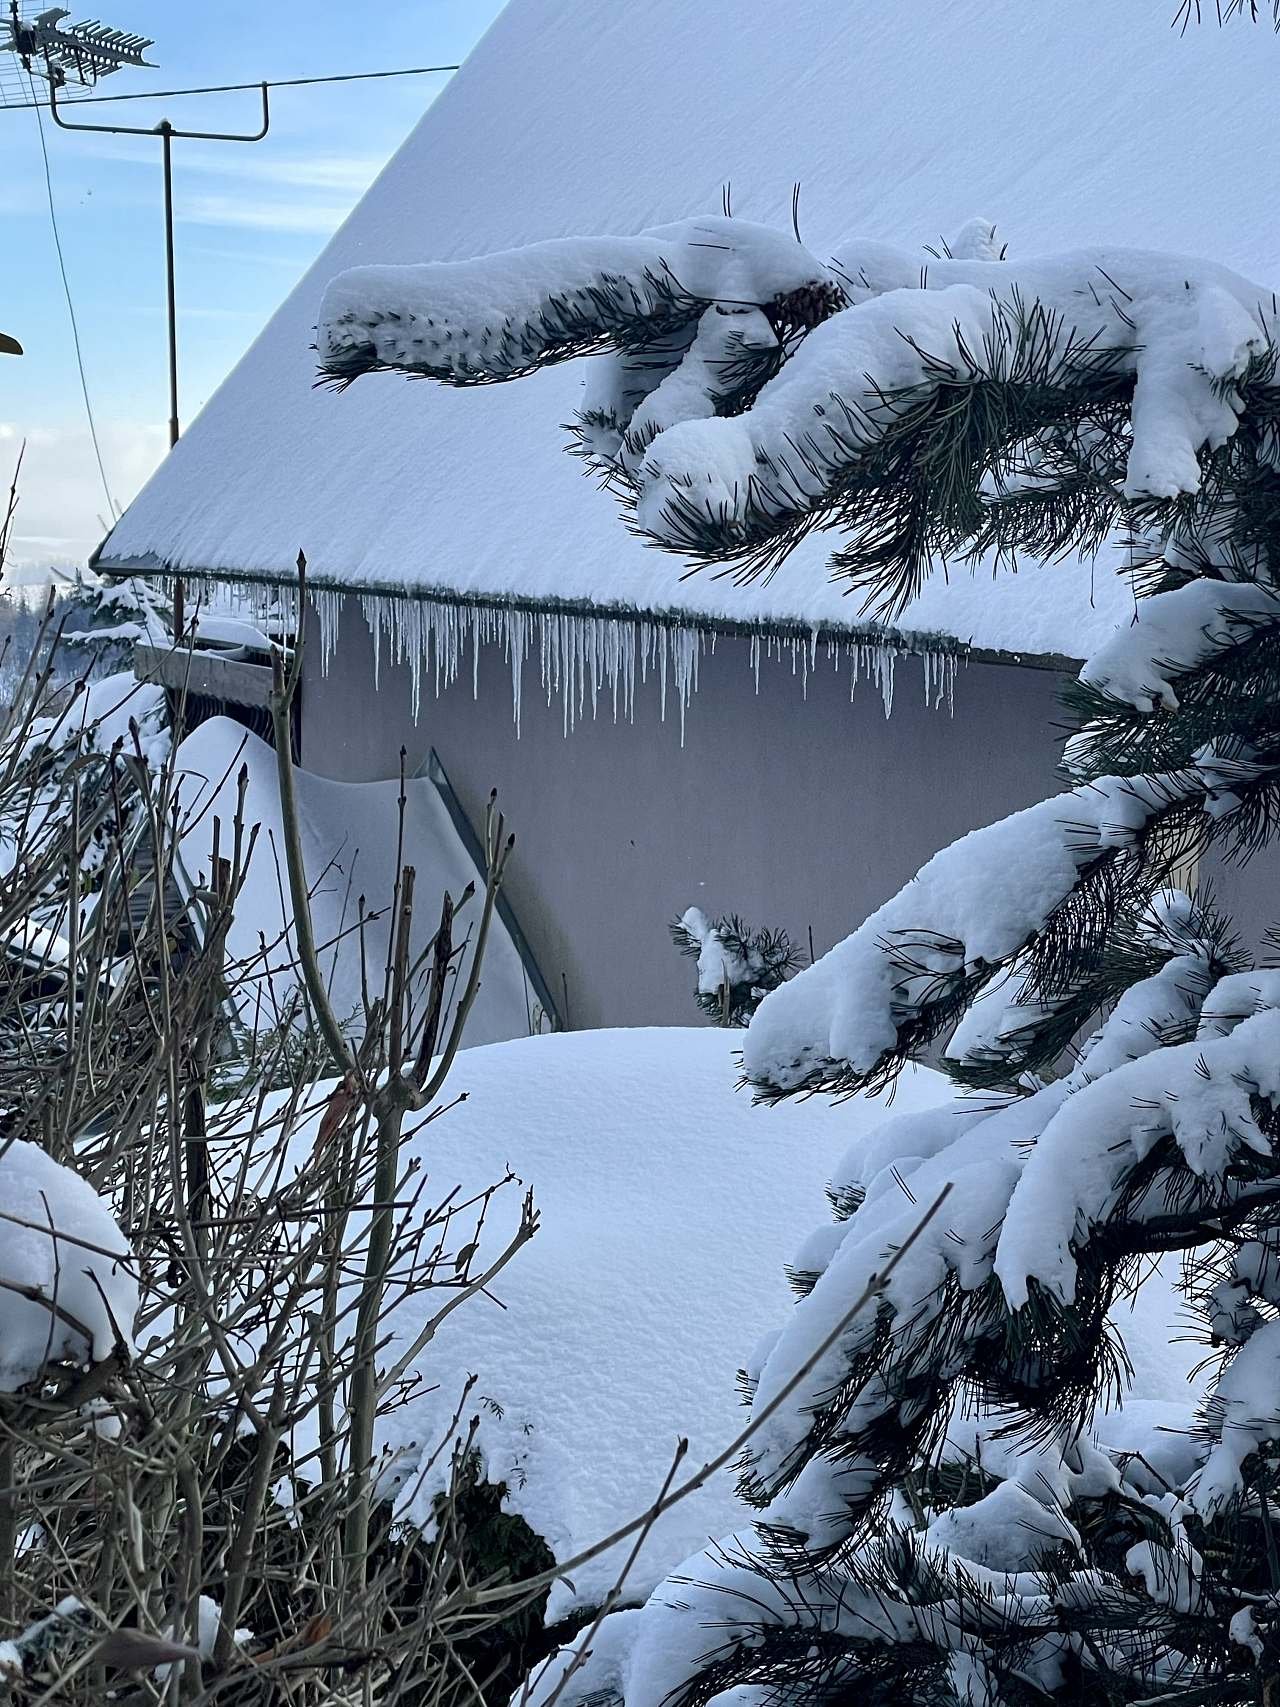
[(737, 966)]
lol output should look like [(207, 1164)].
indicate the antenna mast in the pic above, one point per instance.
[(71, 59)]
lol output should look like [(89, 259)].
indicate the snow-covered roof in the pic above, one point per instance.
[(1095, 123)]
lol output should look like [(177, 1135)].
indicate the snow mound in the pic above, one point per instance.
[(669, 1205), (66, 1293), (350, 835)]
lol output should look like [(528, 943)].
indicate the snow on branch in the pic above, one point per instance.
[(1176, 632), (1237, 998), (67, 1296), (1200, 1094), (726, 1615), (1004, 1030), (505, 315), (737, 966), (1244, 1417), (883, 1371), (1024, 342), (905, 972)]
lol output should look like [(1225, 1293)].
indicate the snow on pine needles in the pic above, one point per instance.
[(1119, 1044)]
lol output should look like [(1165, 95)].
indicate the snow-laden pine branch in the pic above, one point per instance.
[(744, 392), (501, 316), (757, 388), (907, 969)]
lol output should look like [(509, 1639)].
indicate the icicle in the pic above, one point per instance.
[(516, 649), (328, 608), (582, 659)]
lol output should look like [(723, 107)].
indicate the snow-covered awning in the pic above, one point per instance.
[(896, 125)]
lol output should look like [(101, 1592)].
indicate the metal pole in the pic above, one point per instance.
[(166, 132), (171, 288), (166, 137)]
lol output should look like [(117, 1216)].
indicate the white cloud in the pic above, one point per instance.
[(292, 261), (309, 194), (62, 509), (251, 189), (349, 174), (264, 213)]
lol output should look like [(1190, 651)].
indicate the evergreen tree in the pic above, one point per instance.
[(1121, 1049), (106, 620)]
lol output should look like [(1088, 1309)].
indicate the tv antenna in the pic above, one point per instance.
[(167, 134), (71, 60), (74, 58)]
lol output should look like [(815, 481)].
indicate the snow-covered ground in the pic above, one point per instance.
[(350, 834), (670, 1205)]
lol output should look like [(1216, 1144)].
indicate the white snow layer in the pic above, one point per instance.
[(1172, 633), (59, 1238), (350, 835), (669, 1205), (1245, 1416), (393, 486)]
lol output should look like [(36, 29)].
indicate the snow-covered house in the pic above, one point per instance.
[(661, 739)]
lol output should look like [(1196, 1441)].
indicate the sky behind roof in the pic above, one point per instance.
[(250, 219)]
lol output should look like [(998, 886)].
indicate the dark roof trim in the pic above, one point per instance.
[(898, 640)]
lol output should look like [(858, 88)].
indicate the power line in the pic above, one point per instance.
[(234, 88), (112, 511)]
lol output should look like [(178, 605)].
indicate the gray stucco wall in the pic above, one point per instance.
[(1250, 896), (800, 812)]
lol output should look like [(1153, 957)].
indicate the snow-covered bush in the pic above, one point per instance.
[(68, 1298), (745, 392), (737, 966), (196, 1377)]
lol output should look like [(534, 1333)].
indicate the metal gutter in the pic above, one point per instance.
[(899, 640)]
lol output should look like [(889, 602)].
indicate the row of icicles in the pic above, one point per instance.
[(586, 662)]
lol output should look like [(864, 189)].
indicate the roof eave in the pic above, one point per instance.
[(898, 640)]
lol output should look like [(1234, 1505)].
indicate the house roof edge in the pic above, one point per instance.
[(895, 639)]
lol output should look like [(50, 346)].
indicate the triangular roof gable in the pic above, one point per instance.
[(1090, 123)]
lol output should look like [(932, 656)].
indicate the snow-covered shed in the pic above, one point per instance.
[(661, 739)]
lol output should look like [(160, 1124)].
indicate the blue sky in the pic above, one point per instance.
[(250, 220)]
